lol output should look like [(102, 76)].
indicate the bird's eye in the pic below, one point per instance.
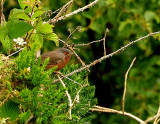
[(65, 53)]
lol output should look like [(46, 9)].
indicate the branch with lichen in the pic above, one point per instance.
[(73, 13), (110, 55)]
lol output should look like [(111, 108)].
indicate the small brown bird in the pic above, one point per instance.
[(59, 57)]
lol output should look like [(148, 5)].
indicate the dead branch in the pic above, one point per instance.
[(109, 55), (125, 84), (68, 95), (108, 110), (74, 12)]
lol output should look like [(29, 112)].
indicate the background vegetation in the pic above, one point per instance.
[(126, 20)]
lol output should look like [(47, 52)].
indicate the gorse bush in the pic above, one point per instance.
[(35, 94), (28, 93)]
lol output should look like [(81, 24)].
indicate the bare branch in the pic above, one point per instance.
[(68, 95), (78, 27), (108, 110), (15, 52), (74, 12), (75, 99), (70, 79), (55, 19), (104, 41), (157, 119), (110, 55), (76, 45), (29, 119), (125, 84)]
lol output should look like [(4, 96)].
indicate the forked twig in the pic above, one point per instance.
[(62, 10), (125, 84), (75, 99)]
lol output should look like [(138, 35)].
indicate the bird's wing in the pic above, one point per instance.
[(51, 55)]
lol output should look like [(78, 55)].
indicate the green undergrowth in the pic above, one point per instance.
[(31, 93)]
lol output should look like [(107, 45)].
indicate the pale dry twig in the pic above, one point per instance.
[(108, 110), (125, 84)]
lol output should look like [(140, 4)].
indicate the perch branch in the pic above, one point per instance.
[(125, 84), (110, 55), (108, 110), (74, 12)]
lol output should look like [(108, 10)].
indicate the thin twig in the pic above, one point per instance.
[(125, 84), (104, 41), (55, 19), (74, 12), (70, 47), (68, 95), (151, 118), (78, 28), (158, 115), (108, 110), (15, 52), (109, 55), (69, 79), (77, 45), (29, 119), (75, 99)]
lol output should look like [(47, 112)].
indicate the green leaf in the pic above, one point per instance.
[(9, 109), (23, 16), (46, 28), (6, 43), (37, 13), (22, 3), (52, 37), (9, 86), (36, 40), (13, 13), (18, 28), (149, 15)]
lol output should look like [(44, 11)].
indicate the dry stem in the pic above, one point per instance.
[(29, 119), (55, 19), (108, 110), (68, 95), (125, 84), (74, 12), (104, 41), (109, 55), (75, 99), (157, 119), (76, 45)]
